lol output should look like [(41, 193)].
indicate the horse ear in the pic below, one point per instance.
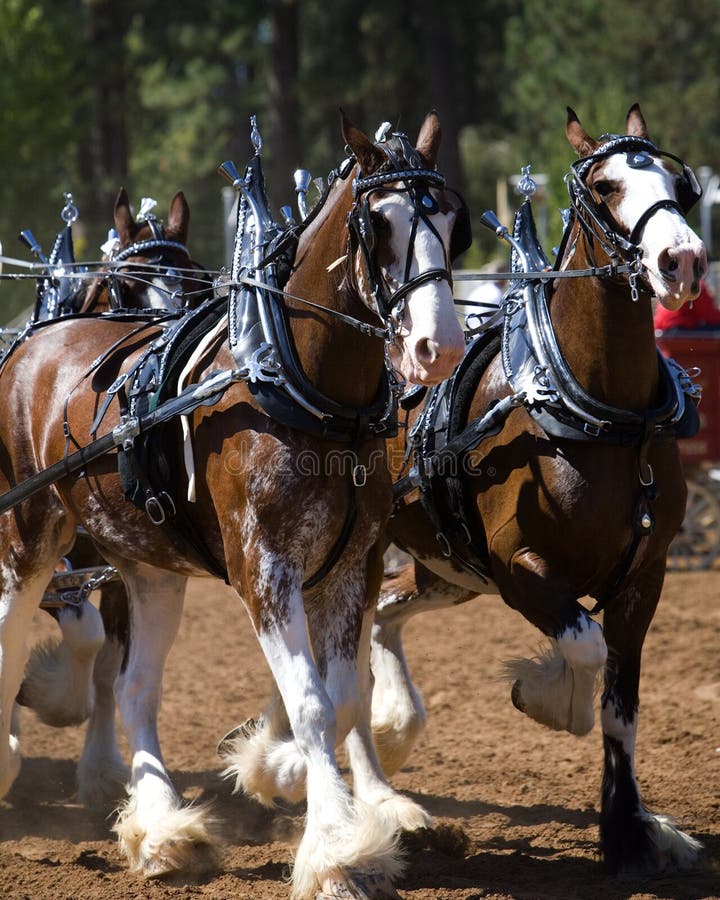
[(635, 122), (428, 142), (179, 218), (580, 140), (124, 221), (366, 153)]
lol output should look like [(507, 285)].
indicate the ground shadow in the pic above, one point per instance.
[(524, 871), (452, 808), (42, 803)]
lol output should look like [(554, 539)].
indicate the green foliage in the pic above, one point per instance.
[(600, 58), (95, 95), (39, 96)]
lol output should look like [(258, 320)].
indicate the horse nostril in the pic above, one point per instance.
[(426, 352), (667, 262)]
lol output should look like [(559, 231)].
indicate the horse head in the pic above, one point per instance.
[(406, 228), (630, 190), (151, 267)]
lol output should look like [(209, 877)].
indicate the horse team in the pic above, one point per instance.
[(375, 257)]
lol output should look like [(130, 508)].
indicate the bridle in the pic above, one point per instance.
[(592, 216), (404, 165), (158, 244)]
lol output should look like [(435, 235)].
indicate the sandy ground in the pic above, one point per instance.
[(516, 804)]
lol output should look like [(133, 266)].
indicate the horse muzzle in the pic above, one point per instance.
[(680, 269)]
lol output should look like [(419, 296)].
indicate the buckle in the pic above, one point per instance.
[(159, 507)]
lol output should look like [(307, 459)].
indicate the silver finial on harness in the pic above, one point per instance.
[(229, 172), (255, 138), (147, 205), (302, 180), (69, 212), (383, 131), (526, 185)]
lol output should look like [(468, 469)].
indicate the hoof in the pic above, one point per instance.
[(447, 838), (244, 731), (169, 862), (359, 886), (184, 840), (515, 696)]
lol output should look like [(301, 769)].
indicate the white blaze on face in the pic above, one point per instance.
[(430, 336), (165, 292), (673, 256)]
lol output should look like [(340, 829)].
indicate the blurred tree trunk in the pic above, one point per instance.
[(103, 131), (440, 67), (283, 75)]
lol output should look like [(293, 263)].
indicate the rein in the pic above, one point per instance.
[(545, 275), (357, 324)]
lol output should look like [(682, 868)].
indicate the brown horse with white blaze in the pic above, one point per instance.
[(149, 265), (246, 468), (587, 510)]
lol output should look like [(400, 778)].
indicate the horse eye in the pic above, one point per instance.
[(380, 223), (603, 187)]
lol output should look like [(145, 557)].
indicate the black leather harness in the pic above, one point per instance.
[(261, 343), (542, 382)]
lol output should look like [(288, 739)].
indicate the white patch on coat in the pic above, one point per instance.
[(557, 687), (431, 339), (618, 728), (18, 602)]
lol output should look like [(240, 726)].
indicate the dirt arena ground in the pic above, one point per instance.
[(517, 804)]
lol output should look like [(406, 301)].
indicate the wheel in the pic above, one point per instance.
[(697, 545)]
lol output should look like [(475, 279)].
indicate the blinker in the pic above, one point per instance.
[(429, 203), (639, 159)]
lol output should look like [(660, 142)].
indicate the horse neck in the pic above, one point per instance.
[(606, 337), (339, 361)]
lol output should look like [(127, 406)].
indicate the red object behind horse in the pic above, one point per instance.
[(703, 312)]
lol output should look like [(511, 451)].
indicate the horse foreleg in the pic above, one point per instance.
[(58, 682), (398, 713), (18, 601), (633, 840), (339, 838), (156, 833), (262, 757), (557, 687), (102, 773), (371, 785)]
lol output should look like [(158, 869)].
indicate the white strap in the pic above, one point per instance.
[(201, 350)]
